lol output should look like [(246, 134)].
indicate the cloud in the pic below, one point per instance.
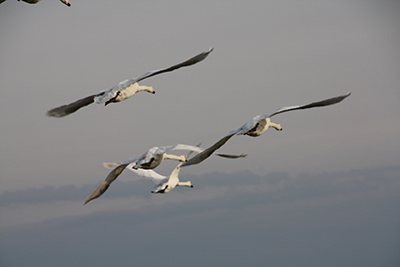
[(232, 184), (330, 219)]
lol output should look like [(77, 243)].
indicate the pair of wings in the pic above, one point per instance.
[(253, 122), (110, 93), (132, 164)]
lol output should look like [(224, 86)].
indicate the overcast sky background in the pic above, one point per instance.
[(323, 192)]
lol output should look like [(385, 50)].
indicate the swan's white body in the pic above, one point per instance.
[(122, 90), (37, 1), (146, 161), (258, 125), (164, 184)]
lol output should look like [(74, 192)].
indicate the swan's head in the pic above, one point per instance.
[(66, 2), (150, 89), (278, 127), (161, 189)]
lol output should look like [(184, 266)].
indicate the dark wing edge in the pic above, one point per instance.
[(70, 108), (322, 103), (189, 62), (107, 182), (206, 153), (230, 156), (326, 102)]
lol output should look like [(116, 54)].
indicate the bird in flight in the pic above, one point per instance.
[(258, 125), (123, 90), (147, 161)]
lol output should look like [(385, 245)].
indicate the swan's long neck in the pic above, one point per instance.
[(277, 126), (145, 88), (188, 184), (181, 158)]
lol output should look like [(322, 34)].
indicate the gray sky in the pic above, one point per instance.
[(267, 54)]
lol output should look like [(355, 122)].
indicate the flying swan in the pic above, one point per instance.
[(123, 90), (163, 184), (148, 160), (37, 1), (258, 125)]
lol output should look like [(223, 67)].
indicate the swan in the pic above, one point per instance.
[(258, 125), (123, 90), (148, 160), (163, 183), (37, 1)]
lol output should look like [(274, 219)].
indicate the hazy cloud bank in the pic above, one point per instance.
[(331, 219), (279, 184)]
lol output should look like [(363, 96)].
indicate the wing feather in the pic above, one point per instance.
[(191, 61), (111, 177), (148, 174), (71, 108), (207, 152)]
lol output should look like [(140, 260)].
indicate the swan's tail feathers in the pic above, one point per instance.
[(98, 191), (229, 156), (70, 108)]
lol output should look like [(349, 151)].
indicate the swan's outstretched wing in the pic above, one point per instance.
[(197, 149), (230, 156), (104, 186), (207, 152), (191, 61), (65, 110), (165, 149), (253, 122), (148, 174), (322, 103)]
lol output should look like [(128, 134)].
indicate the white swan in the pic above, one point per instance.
[(148, 160), (163, 183), (258, 125), (37, 1), (123, 90)]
